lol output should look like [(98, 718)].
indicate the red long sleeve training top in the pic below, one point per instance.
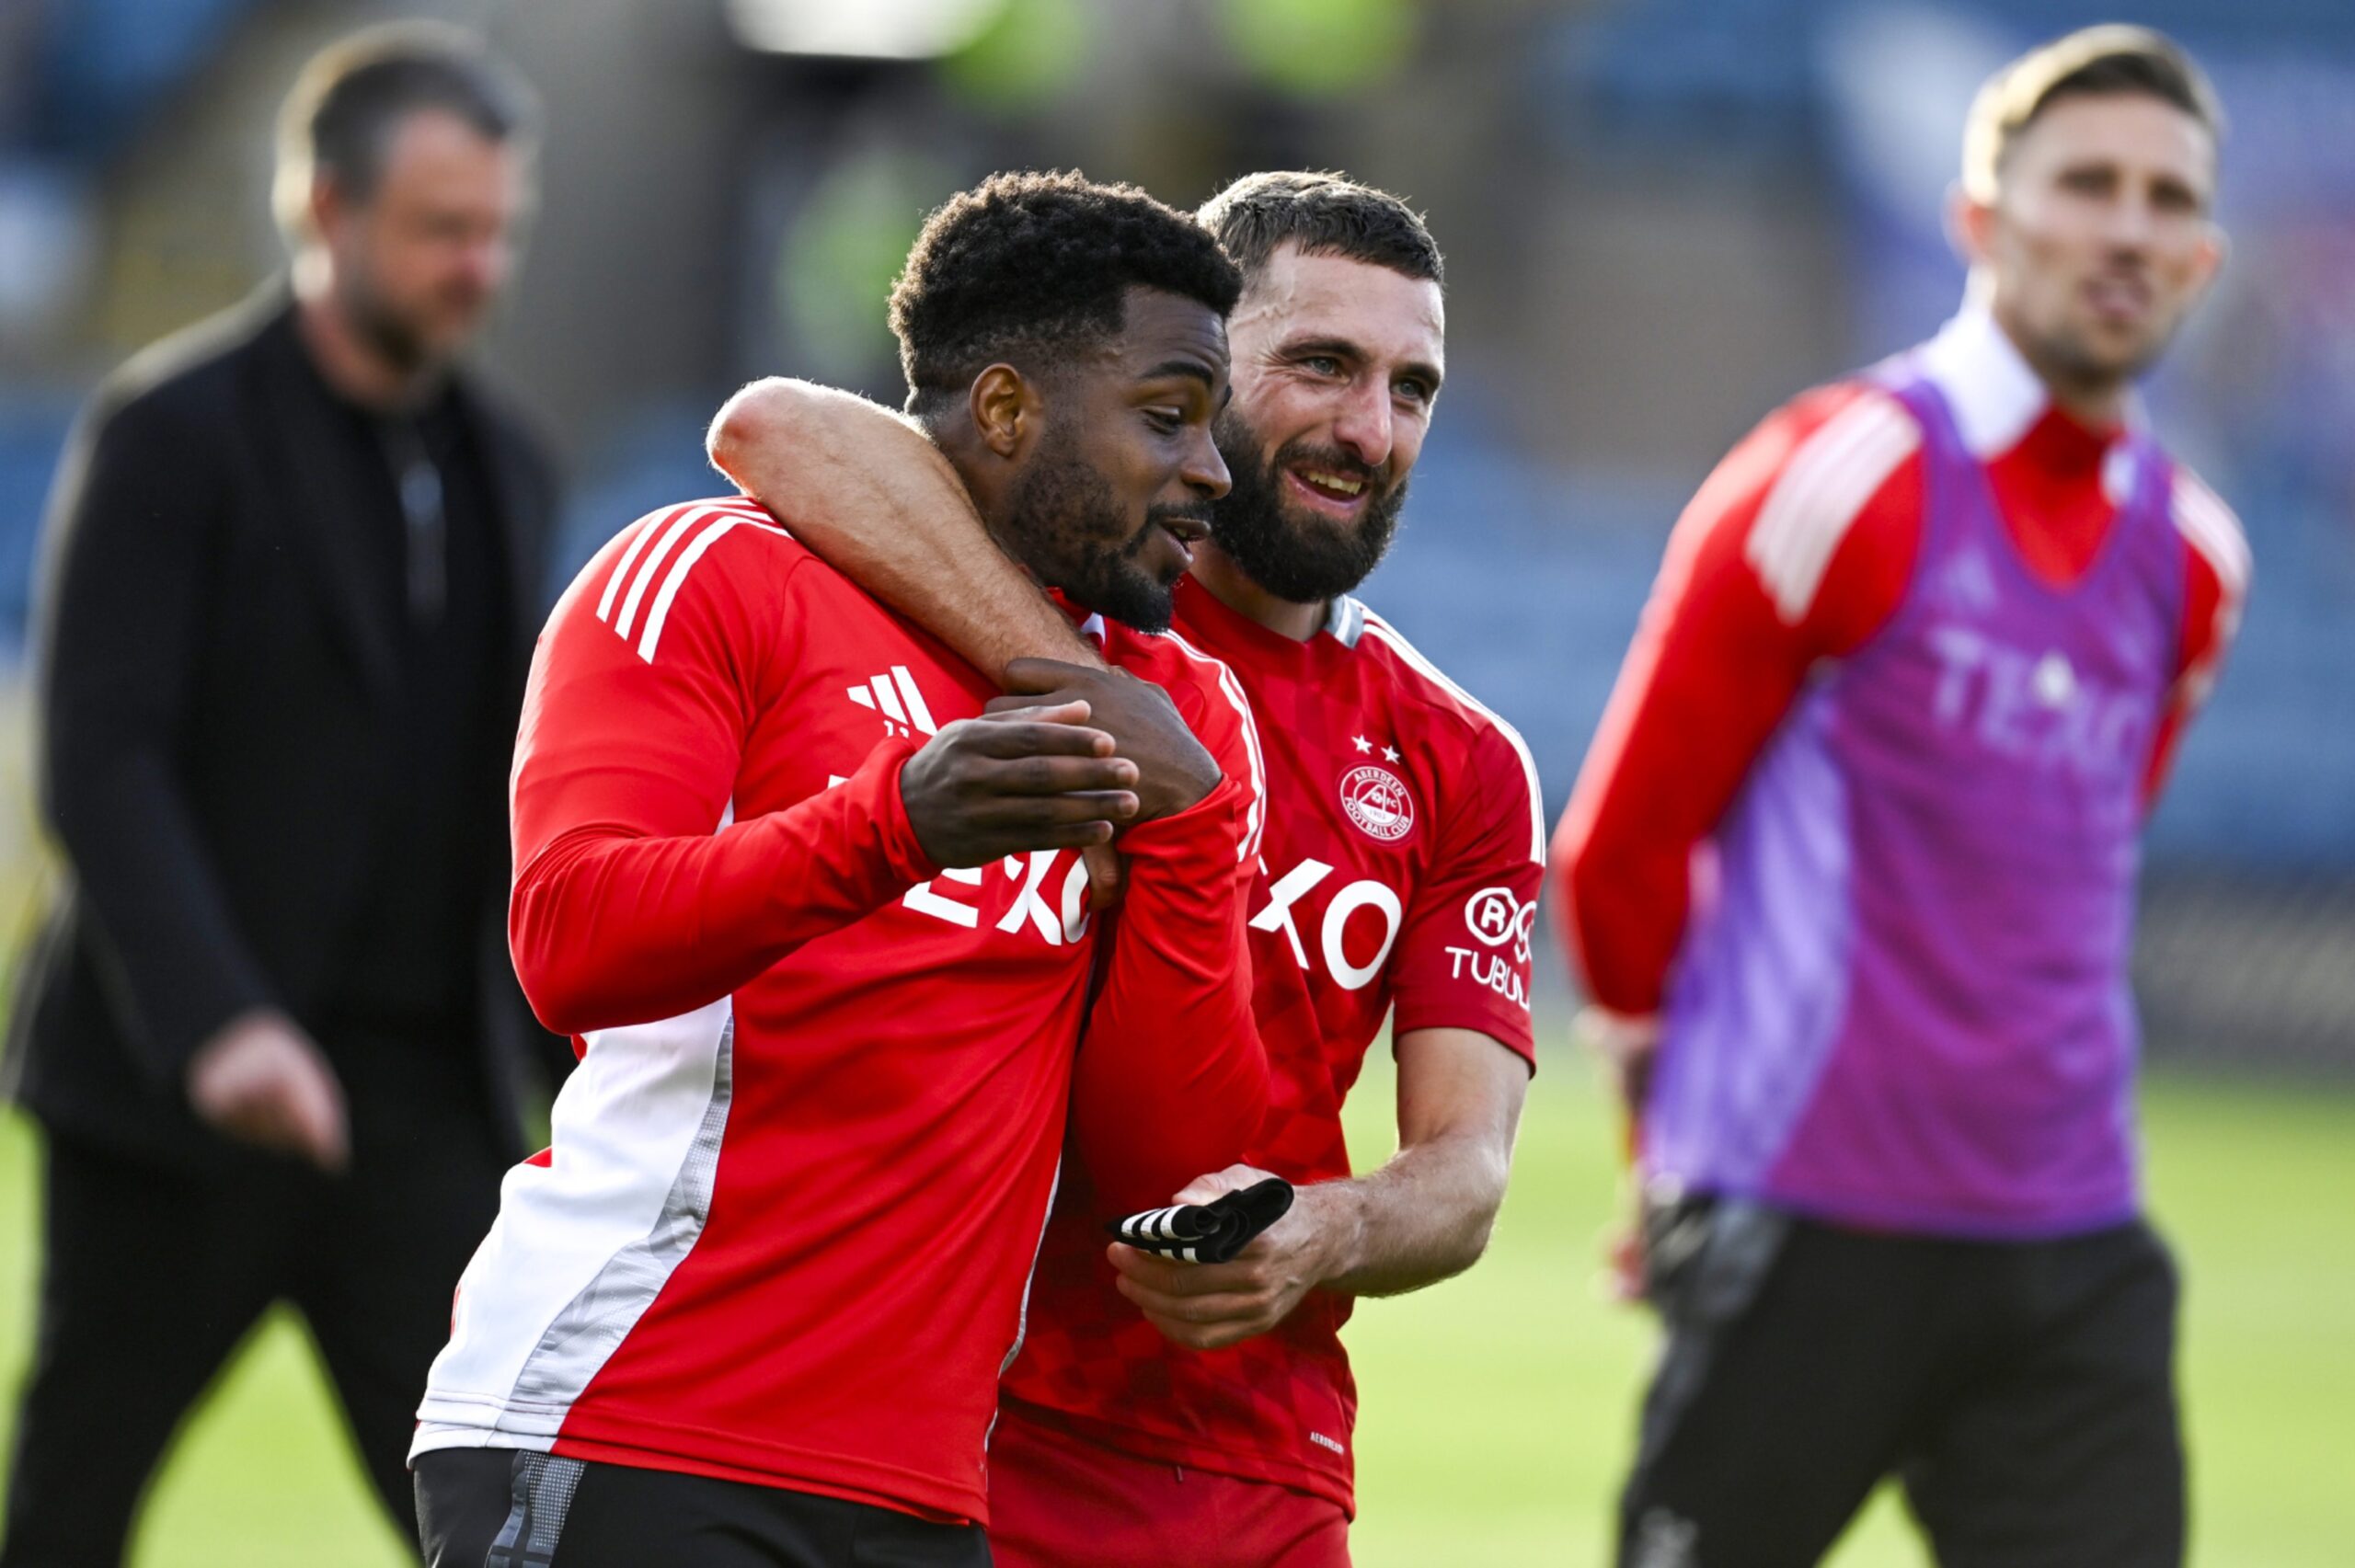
[(786, 1223), (1798, 548)]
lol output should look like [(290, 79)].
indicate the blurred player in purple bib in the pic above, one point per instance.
[(1851, 876)]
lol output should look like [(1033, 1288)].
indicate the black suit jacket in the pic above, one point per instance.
[(217, 750)]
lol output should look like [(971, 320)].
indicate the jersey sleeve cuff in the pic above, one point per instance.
[(896, 835), (1217, 816)]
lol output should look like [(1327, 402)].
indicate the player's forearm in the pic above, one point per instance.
[(877, 501), (1172, 1079), (1423, 1217), (610, 928)]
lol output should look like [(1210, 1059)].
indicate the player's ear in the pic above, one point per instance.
[(1006, 411), (1971, 227), (2215, 251), (325, 207)]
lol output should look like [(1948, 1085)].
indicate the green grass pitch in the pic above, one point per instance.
[(1497, 1409)]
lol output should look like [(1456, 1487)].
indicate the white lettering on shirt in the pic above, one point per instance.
[(2035, 708), (1346, 902), (925, 901), (1286, 891), (1028, 905)]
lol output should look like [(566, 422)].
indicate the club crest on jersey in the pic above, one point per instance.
[(1377, 800)]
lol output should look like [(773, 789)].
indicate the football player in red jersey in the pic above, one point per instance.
[(1168, 1413), (1850, 874), (820, 926)]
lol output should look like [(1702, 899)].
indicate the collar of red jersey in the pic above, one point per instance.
[(1995, 394), (1089, 624), (1344, 618)]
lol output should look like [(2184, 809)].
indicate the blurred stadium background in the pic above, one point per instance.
[(1661, 218)]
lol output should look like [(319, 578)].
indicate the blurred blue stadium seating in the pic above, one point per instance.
[(1521, 579), (102, 68), (32, 433), (1736, 77)]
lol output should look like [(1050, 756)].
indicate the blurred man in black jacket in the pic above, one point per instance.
[(290, 583)]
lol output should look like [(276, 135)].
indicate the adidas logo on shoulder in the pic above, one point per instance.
[(894, 696)]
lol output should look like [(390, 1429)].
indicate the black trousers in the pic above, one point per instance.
[(150, 1276), (500, 1508), (2023, 1393)]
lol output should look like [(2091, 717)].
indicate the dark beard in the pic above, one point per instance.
[(1303, 560), (394, 339), (1066, 524)]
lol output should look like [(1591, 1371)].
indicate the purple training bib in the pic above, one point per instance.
[(1904, 1002)]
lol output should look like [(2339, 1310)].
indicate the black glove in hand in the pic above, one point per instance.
[(1207, 1233)]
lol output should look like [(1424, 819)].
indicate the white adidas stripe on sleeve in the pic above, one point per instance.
[(648, 527), (2209, 525), (627, 616), (687, 558), (1815, 499), (665, 530)]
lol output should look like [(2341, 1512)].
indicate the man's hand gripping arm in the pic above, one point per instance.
[(864, 489), (632, 902), (1172, 1076)]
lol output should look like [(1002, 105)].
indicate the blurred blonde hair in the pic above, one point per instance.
[(2109, 59)]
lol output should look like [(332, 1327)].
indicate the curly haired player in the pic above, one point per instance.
[(1163, 1412), (820, 921)]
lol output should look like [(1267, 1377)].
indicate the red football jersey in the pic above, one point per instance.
[(1404, 851), (797, 1183), (1797, 552)]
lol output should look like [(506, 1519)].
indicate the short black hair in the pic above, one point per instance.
[(349, 100), (1027, 265), (1323, 214), (2098, 62)]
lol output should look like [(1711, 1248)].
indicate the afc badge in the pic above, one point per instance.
[(1378, 803)]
